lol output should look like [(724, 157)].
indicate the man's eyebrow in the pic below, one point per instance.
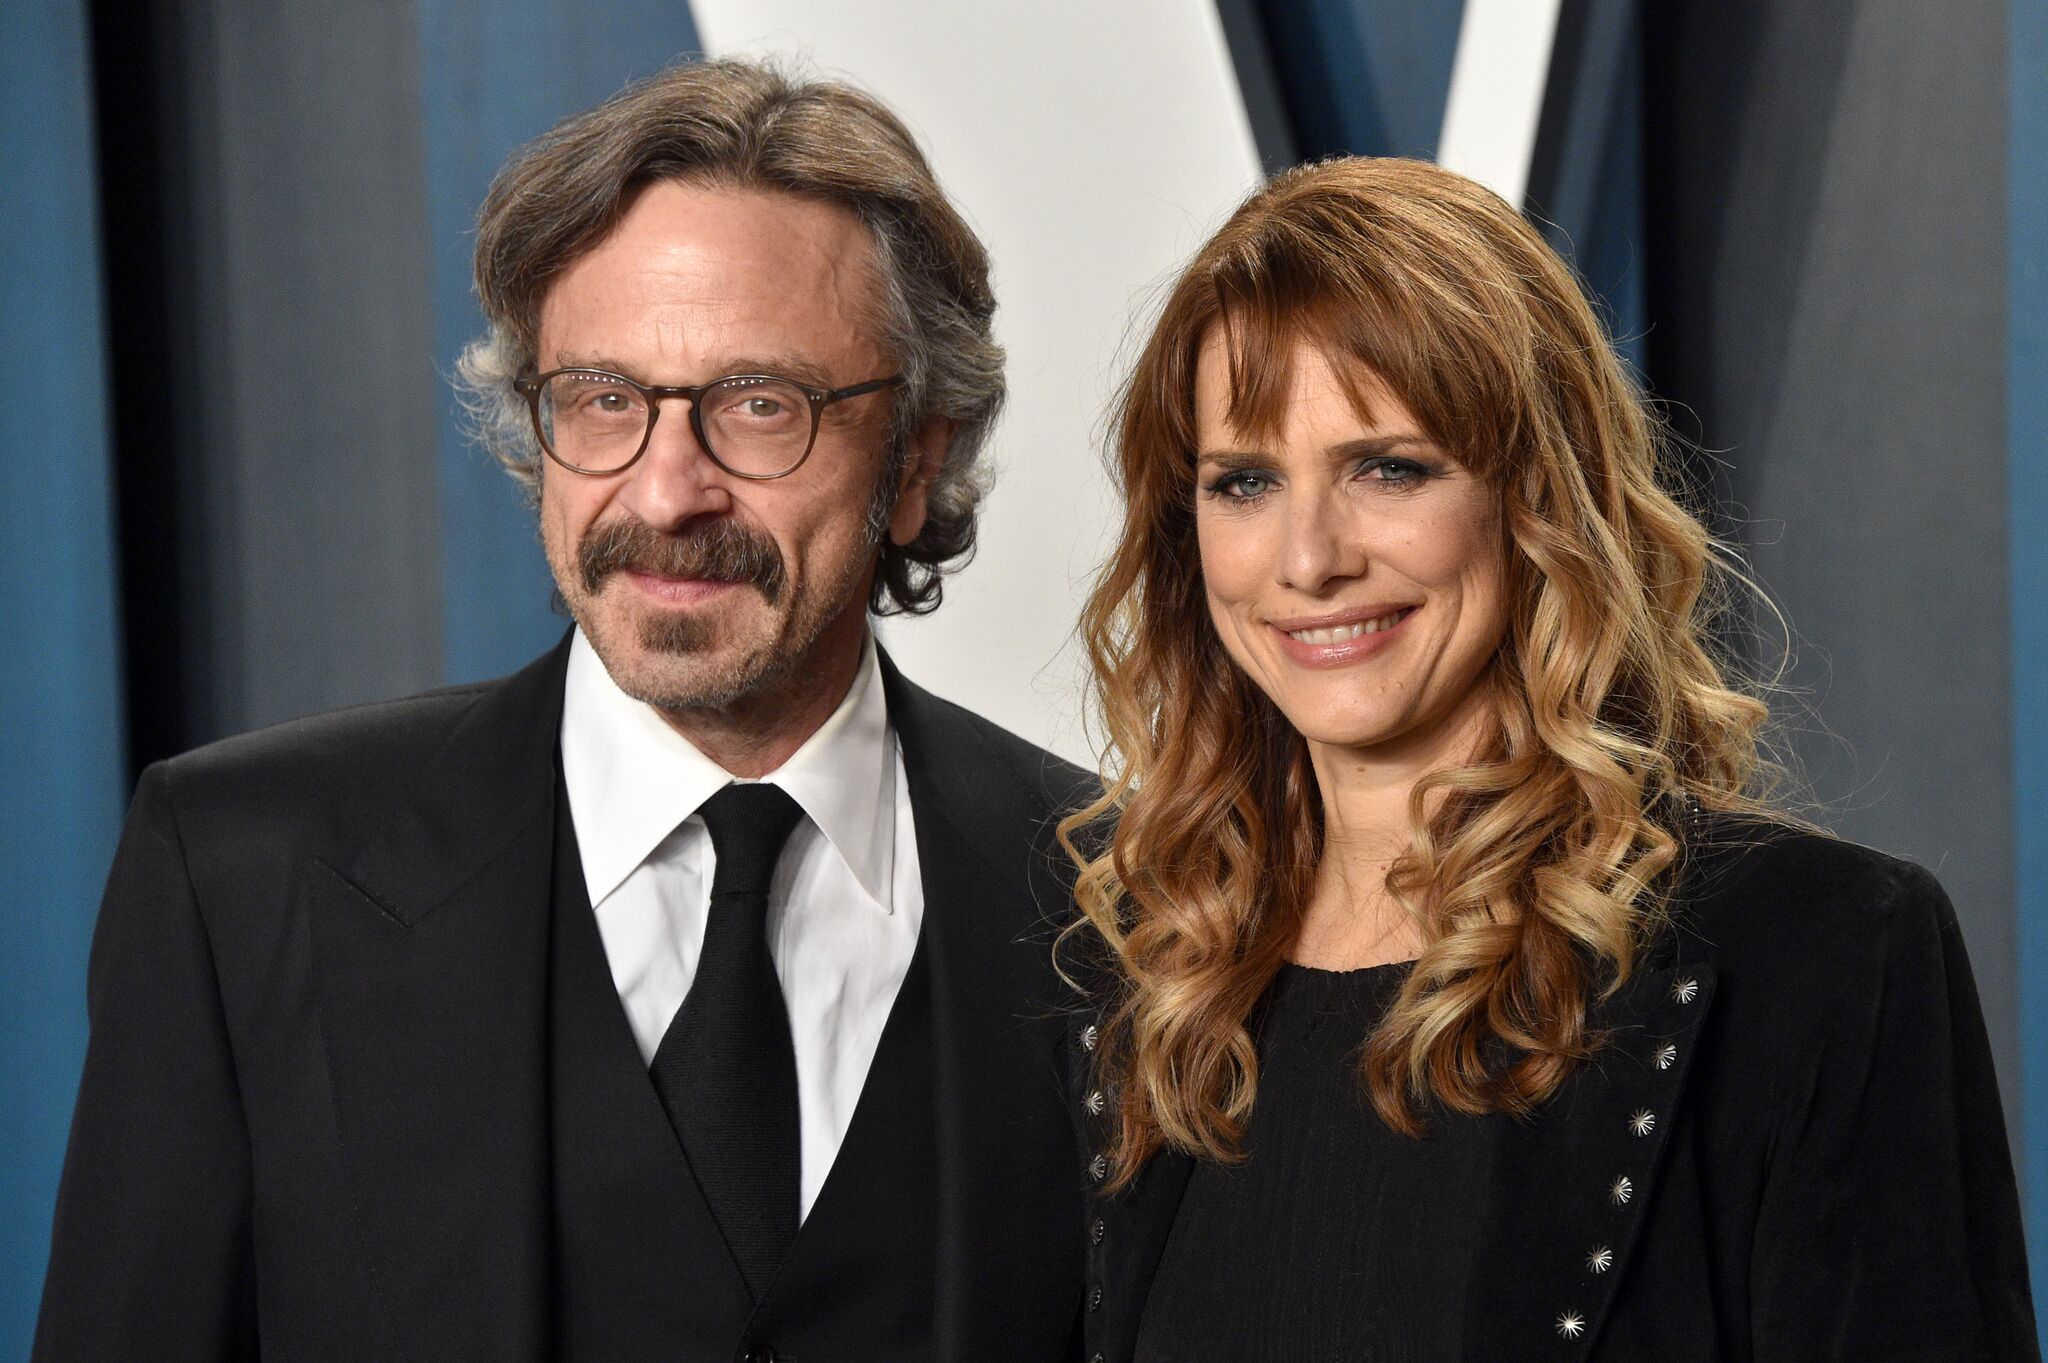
[(591, 362), (781, 366)]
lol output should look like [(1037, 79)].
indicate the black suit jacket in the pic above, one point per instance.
[(313, 1121), (1790, 1150)]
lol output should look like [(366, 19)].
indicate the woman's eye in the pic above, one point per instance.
[(1395, 472), (1241, 486)]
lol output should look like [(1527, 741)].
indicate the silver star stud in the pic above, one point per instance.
[(1643, 1123), (1620, 1191), (1094, 1103), (1686, 990), (1665, 1057), (1571, 1325), (1600, 1260), (1088, 1037)]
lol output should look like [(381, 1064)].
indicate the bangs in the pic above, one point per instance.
[(1291, 287)]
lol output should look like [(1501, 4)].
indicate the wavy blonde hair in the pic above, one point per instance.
[(1536, 871)]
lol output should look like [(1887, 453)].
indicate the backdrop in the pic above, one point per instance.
[(234, 272)]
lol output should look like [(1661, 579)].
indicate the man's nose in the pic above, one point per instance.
[(675, 478)]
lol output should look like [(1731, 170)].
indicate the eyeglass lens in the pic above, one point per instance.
[(598, 422)]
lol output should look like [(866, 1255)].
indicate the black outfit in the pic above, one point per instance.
[(1370, 1269), (1789, 1149), (644, 1270), (359, 1085)]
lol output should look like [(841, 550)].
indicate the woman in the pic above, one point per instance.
[(1453, 993)]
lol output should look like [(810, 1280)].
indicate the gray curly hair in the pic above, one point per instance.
[(755, 125)]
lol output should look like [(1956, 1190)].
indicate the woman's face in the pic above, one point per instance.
[(1353, 568)]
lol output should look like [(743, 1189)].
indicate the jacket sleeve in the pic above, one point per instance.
[(1889, 1227), (151, 1253)]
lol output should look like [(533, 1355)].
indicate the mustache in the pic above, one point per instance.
[(721, 550)]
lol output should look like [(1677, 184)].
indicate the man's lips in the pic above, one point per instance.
[(676, 591)]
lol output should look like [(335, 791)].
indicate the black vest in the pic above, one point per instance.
[(641, 1270)]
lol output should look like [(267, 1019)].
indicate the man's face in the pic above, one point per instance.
[(698, 589)]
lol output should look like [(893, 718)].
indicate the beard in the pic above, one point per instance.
[(679, 664)]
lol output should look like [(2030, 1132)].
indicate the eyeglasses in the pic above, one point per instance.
[(756, 426)]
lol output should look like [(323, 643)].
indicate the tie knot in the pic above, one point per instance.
[(749, 824)]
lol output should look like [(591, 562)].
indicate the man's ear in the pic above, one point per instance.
[(927, 456)]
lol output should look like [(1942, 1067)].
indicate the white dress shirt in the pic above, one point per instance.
[(843, 909)]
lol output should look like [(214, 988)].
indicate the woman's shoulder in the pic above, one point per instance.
[(1773, 897)]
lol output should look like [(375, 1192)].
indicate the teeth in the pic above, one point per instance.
[(1346, 632)]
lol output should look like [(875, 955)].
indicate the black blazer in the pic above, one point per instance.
[(1790, 1150), (313, 1122)]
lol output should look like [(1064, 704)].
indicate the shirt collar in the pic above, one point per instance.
[(632, 779)]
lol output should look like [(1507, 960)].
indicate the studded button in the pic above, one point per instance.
[(1098, 1168), (1095, 1297), (1094, 1102), (1620, 1191), (1684, 990), (1643, 1123), (1665, 1056), (1571, 1325), (1097, 1359), (1096, 1230), (1089, 1036), (759, 1354), (1600, 1260)]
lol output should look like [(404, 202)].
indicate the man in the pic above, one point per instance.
[(688, 994)]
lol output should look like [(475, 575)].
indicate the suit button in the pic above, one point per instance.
[(1098, 1168), (1095, 1297), (1095, 1230)]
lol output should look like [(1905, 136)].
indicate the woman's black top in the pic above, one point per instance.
[(1336, 1237), (1787, 1147)]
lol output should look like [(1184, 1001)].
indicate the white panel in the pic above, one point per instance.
[(1093, 146), (1496, 99)]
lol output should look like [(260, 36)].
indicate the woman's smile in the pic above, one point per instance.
[(1347, 638)]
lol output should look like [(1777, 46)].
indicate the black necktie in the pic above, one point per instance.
[(726, 1069)]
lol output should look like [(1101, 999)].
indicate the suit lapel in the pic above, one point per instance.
[(1005, 1246), (1568, 1189), (431, 948)]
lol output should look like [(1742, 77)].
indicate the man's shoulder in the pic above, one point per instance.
[(359, 742), (336, 775), (957, 736)]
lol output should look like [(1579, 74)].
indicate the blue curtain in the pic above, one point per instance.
[(496, 74), (61, 745), (1368, 79), (2027, 502)]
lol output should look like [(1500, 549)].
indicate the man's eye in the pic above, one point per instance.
[(762, 407)]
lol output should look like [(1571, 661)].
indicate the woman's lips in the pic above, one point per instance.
[(1344, 642)]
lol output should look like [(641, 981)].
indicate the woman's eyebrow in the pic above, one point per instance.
[(1231, 459), (1364, 447), (1369, 446)]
